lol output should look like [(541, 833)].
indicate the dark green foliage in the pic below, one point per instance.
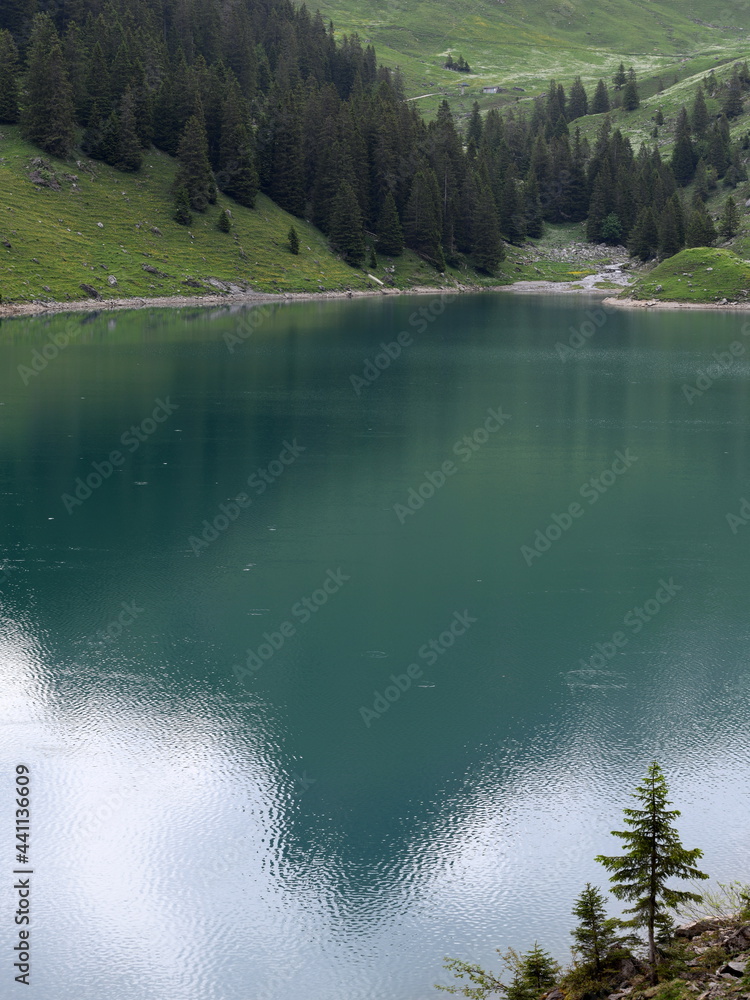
[(699, 118), (237, 175), (630, 98), (671, 232), (596, 935), (729, 223), (683, 160), (458, 65), (487, 247), (600, 103), (659, 117), (731, 105), (346, 235), (47, 112), (701, 231), (224, 223), (129, 156), (423, 222), (474, 128), (644, 238), (578, 102), (182, 213), (293, 241), (534, 972), (611, 230), (653, 855), (8, 78), (390, 235), (194, 172), (620, 78)]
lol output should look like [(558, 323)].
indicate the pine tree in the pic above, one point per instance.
[(731, 106), (620, 78), (670, 241), (701, 231), (644, 239), (390, 235), (596, 934), (487, 248), (194, 172), (611, 231), (224, 223), (532, 208), (578, 102), (729, 223), (129, 156), (653, 855), (512, 222), (600, 102), (346, 235), (293, 241), (535, 972), (474, 128), (630, 98), (47, 112), (699, 118), (423, 223), (8, 78), (237, 175), (683, 155), (182, 213)]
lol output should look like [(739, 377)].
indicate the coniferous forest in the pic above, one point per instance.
[(260, 95)]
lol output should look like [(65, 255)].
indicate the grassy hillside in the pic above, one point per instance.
[(698, 275), (522, 43)]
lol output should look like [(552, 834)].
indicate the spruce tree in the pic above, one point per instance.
[(224, 223), (47, 112), (683, 155), (194, 172), (620, 78), (474, 128), (644, 238), (512, 222), (182, 213), (670, 241), (390, 235), (729, 223), (8, 78), (423, 223), (535, 972), (346, 235), (699, 118), (129, 156), (293, 241), (596, 935), (731, 106), (653, 855), (630, 98), (237, 175), (701, 231), (611, 231), (488, 248), (578, 102), (600, 103)]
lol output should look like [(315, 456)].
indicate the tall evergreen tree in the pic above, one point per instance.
[(644, 238), (346, 235), (47, 112), (578, 102), (422, 218), (237, 175), (390, 235), (699, 118), (194, 171), (129, 156), (630, 97), (534, 973), (488, 248), (653, 855), (620, 78), (600, 103), (683, 155), (731, 105), (670, 241), (8, 78), (729, 223), (701, 231), (596, 935)]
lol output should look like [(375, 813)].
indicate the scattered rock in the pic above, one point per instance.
[(112, 280), (92, 292), (7, 243), (737, 940), (150, 269), (733, 969), (192, 283), (698, 927), (156, 231), (659, 288), (46, 288), (100, 225)]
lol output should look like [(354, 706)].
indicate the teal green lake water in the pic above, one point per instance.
[(388, 704)]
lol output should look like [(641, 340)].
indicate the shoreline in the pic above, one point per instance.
[(18, 310)]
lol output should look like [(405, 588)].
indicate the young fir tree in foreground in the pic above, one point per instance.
[(596, 935), (534, 972), (654, 854)]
